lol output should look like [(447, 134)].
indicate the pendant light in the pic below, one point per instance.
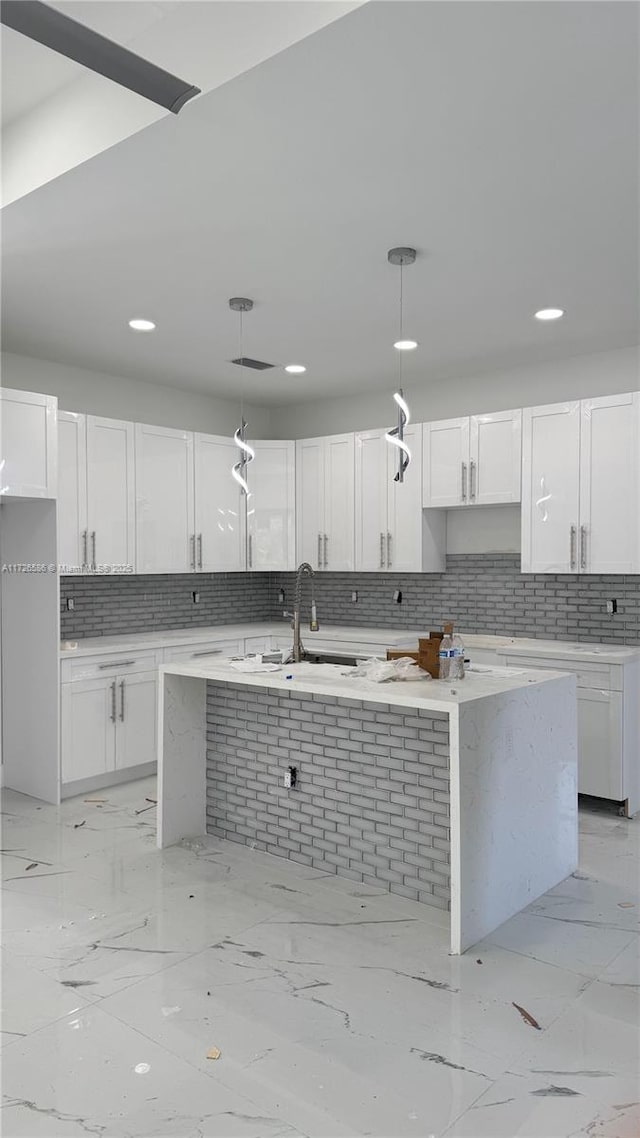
[(241, 304), (401, 256)]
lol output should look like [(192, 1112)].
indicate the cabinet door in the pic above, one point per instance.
[(72, 491), (165, 529), (446, 463), (404, 540), (339, 503), (495, 451), (600, 743), (136, 723), (550, 488), (610, 484), (310, 501), (88, 709), (111, 494), (271, 506), (371, 501), (28, 444), (219, 518)]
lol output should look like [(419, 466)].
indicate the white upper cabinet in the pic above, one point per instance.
[(219, 516), (446, 463), (550, 488), (72, 491), (325, 502), (495, 458), (28, 444), (472, 461), (393, 533), (609, 539), (165, 530), (96, 494), (110, 495), (271, 506), (581, 486)]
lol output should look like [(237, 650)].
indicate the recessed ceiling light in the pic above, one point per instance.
[(295, 369), (142, 325), (549, 313), (406, 345)]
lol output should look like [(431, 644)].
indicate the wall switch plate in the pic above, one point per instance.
[(195, 597), (612, 606), (71, 604), (354, 597)]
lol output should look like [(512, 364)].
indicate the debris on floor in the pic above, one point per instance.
[(214, 1053), (78, 825), (527, 1017)]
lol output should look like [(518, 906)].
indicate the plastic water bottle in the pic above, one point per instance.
[(456, 663), (446, 653)]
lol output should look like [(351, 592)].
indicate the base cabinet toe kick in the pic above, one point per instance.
[(462, 800)]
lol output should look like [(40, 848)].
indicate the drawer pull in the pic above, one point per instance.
[(209, 652), (116, 664)]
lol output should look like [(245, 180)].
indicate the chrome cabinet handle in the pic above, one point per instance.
[(583, 547), (192, 550), (326, 547), (472, 481), (464, 482), (319, 551), (207, 652), (113, 702), (250, 551), (115, 664), (121, 699), (93, 549), (572, 547), (382, 551), (85, 548), (199, 551), (388, 551)]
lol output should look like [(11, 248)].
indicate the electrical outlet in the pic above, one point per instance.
[(290, 777), (612, 606), (281, 597), (354, 597), (397, 596), (195, 597), (71, 604)]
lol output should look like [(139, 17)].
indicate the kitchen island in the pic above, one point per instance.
[(460, 794)]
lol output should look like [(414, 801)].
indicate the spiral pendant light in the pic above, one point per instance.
[(241, 304), (401, 256)]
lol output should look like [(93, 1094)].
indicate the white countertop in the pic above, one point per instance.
[(331, 680), (393, 637)]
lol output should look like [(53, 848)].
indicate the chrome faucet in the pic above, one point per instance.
[(297, 650)]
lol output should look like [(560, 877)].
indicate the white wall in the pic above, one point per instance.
[(116, 397), (579, 377)]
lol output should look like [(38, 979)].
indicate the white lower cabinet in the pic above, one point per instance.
[(108, 717), (608, 724)]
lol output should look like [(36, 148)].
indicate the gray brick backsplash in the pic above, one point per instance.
[(482, 593), (346, 815), (109, 606)]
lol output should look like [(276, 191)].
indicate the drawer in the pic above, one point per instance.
[(125, 663), (200, 650), (589, 674)]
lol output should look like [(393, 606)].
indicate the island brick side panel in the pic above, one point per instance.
[(372, 799)]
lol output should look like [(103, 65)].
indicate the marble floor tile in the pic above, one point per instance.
[(337, 1008)]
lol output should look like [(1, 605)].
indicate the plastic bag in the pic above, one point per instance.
[(383, 671)]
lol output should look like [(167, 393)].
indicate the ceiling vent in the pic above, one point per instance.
[(257, 365)]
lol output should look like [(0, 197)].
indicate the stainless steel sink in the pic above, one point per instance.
[(331, 658)]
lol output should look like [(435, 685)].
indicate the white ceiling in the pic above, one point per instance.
[(499, 139)]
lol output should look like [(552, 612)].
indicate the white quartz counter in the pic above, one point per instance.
[(393, 637), (334, 680)]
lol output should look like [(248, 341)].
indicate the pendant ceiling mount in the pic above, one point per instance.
[(402, 255), (240, 304)]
